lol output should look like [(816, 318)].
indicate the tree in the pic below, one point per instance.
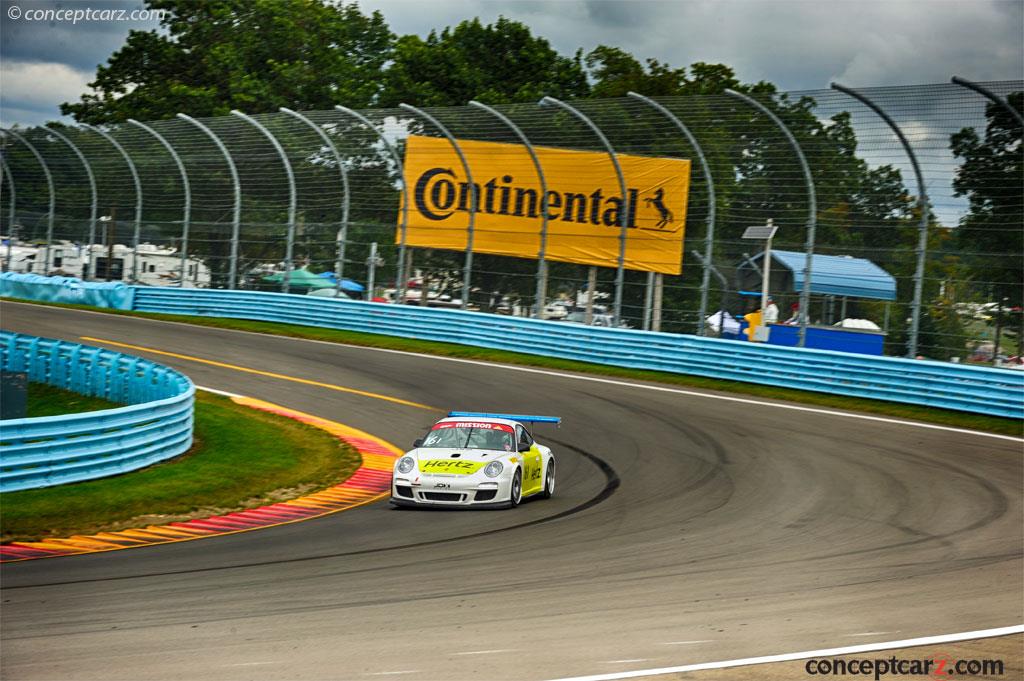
[(497, 63), (253, 55), (991, 235), (615, 72)]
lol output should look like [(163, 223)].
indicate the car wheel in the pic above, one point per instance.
[(549, 481), (517, 489)]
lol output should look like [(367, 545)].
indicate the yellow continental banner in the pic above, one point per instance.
[(584, 203)]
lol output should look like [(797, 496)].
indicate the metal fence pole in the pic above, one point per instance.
[(473, 204), (620, 273), (342, 237), (985, 92), (187, 210), (812, 218), (648, 301), (292, 196), (659, 290), (923, 206), (541, 294), (138, 198), (237, 186), (93, 207), (400, 285), (49, 185), (709, 238), (10, 221)]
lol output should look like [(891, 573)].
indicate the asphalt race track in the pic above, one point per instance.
[(684, 529)]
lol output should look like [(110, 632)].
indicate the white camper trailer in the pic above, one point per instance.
[(157, 265)]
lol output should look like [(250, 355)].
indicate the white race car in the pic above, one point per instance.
[(475, 460)]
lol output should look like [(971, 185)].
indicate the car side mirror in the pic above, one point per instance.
[(523, 447), (417, 444)]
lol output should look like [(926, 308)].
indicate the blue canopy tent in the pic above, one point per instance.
[(347, 285), (832, 277)]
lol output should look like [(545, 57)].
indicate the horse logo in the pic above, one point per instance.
[(664, 214)]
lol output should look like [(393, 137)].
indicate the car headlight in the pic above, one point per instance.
[(406, 464), (493, 469)]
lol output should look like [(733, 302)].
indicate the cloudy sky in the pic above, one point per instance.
[(796, 44)]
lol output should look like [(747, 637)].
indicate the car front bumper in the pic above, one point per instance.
[(451, 491)]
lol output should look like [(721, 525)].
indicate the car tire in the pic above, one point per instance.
[(549, 481), (516, 490)]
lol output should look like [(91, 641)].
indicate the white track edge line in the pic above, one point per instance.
[(595, 379), (789, 657), (225, 393)]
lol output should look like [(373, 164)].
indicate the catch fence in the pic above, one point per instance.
[(248, 197)]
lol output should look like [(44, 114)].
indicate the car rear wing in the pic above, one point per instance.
[(511, 417)]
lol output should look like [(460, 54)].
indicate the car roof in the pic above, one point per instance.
[(467, 419)]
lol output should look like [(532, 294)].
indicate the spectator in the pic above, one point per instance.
[(794, 314), (771, 313)]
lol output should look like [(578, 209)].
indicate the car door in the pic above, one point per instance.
[(532, 474)]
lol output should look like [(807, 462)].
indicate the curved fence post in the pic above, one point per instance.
[(236, 220), (10, 221), (292, 195), (709, 238), (49, 185), (400, 283), (95, 199), (187, 209), (923, 206), (473, 198), (985, 92), (342, 237), (812, 200), (620, 274), (138, 197), (541, 294)]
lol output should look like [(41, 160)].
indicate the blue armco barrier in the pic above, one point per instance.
[(51, 450), (66, 290), (980, 390)]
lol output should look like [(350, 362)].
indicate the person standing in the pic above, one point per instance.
[(771, 312)]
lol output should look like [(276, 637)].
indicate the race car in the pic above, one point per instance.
[(476, 460)]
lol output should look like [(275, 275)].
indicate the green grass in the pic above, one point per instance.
[(46, 400), (241, 458), (995, 424)]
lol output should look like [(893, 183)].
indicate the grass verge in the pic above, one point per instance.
[(241, 458), (46, 400), (948, 417)]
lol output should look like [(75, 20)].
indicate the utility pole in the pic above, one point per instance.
[(109, 221), (373, 262)]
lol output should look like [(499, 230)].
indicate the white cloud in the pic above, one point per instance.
[(39, 88), (796, 44)]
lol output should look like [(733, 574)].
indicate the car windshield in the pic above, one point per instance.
[(470, 436)]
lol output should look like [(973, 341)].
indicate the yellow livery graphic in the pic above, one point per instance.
[(450, 466), (583, 203)]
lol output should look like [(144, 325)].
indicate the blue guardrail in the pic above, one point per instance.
[(981, 390), (52, 450)]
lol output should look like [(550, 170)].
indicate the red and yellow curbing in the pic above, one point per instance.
[(370, 482)]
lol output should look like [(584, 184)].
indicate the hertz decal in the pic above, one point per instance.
[(583, 203), (451, 466)]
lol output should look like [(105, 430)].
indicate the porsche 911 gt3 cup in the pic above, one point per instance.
[(475, 460)]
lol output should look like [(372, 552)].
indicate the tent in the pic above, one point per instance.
[(831, 275), (299, 279), (346, 284)]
